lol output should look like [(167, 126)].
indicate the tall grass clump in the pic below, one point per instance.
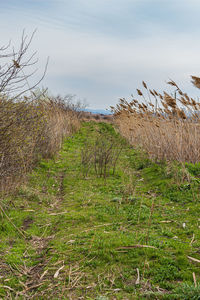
[(166, 125), (31, 129)]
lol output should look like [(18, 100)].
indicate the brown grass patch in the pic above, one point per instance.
[(167, 126)]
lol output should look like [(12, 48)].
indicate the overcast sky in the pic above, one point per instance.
[(101, 50)]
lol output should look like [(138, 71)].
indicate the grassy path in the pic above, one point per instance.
[(133, 236)]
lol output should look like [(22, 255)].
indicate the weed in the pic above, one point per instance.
[(103, 153), (187, 292)]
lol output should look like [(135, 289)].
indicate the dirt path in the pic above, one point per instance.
[(87, 237)]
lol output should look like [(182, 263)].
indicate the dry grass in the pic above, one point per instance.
[(30, 130), (88, 116), (166, 126)]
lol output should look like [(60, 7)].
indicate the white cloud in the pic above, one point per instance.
[(78, 54), (112, 66), (102, 67)]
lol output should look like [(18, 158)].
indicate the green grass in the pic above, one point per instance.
[(85, 226)]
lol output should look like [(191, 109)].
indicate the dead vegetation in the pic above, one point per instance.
[(30, 130), (102, 153), (17, 67), (166, 125), (88, 116), (32, 124)]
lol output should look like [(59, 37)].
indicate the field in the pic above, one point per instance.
[(71, 231)]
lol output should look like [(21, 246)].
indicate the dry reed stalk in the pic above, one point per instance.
[(166, 127)]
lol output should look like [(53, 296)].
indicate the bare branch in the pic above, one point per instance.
[(15, 70)]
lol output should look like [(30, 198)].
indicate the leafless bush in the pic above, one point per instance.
[(31, 126), (29, 131), (71, 102), (17, 67), (101, 155), (88, 116)]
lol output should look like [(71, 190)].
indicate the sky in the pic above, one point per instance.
[(101, 50)]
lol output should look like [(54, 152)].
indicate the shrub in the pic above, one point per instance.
[(31, 126), (30, 130), (103, 153)]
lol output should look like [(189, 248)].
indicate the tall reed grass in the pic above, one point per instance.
[(29, 130), (166, 125)]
